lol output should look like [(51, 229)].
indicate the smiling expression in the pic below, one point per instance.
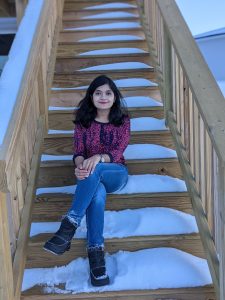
[(103, 97)]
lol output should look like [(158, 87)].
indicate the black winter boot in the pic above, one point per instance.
[(98, 273), (61, 240)]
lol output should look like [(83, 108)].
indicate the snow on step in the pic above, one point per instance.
[(113, 51), (119, 25), (111, 15), (136, 151), (107, 38), (144, 269), (137, 124), (131, 82), (143, 221), (144, 183), (118, 66), (111, 5), (134, 101)]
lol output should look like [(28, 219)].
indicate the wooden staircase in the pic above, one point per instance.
[(56, 173)]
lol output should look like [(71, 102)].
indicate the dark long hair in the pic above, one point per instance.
[(87, 112)]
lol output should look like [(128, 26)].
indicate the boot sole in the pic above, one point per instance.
[(99, 282), (54, 251)]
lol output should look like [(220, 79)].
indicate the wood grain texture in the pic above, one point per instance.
[(65, 65), (63, 119), (38, 257), (68, 98), (60, 173), (196, 293), (62, 144), (50, 207)]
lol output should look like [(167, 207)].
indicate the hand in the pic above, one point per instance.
[(80, 172), (90, 163)]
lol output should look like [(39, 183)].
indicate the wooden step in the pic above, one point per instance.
[(62, 144), (92, 22), (74, 13), (61, 173), (74, 49), (70, 65), (71, 98), (195, 293), (67, 36), (79, 5), (48, 206), (37, 257), (63, 119), (84, 78)]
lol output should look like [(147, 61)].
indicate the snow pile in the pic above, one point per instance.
[(119, 25), (143, 269), (142, 221), (114, 51), (111, 5), (111, 15), (118, 66), (10, 80), (144, 183), (106, 38)]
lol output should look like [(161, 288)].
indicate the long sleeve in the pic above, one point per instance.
[(116, 150), (79, 142)]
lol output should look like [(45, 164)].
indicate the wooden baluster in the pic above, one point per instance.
[(6, 275)]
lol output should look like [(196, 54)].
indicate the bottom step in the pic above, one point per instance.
[(197, 293), (159, 273)]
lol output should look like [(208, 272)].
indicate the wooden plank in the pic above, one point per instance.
[(92, 22), (68, 97), (20, 255), (203, 226), (79, 5), (70, 65), (62, 144), (50, 207), (84, 78), (198, 293), (63, 120), (61, 173), (38, 257), (74, 13), (69, 35), (74, 49), (6, 274)]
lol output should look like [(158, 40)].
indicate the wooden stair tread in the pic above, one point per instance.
[(141, 57), (193, 293), (63, 119), (38, 257), (47, 205), (76, 35), (62, 143), (83, 78), (73, 97), (78, 22), (57, 173)]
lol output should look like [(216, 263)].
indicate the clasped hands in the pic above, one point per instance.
[(87, 167)]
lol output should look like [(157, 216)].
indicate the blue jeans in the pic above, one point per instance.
[(90, 197)]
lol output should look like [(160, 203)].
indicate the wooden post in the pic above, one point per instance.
[(167, 78), (221, 224), (6, 275), (20, 8)]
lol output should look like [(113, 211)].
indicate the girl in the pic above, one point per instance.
[(101, 135)]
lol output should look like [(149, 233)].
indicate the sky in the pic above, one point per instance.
[(203, 15)]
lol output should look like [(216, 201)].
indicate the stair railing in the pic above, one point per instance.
[(195, 113), (20, 148)]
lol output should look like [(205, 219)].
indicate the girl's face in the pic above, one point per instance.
[(103, 97)]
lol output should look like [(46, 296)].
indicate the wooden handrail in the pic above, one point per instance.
[(194, 110), (20, 151)]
